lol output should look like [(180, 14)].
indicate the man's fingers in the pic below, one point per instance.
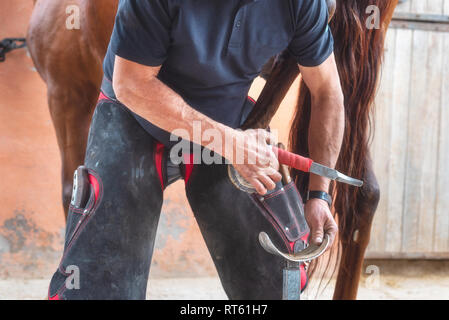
[(320, 221), (317, 234), (258, 186), (331, 229), (267, 182), (275, 176)]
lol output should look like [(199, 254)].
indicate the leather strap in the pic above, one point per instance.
[(320, 195)]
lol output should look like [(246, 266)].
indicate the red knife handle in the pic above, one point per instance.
[(293, 160)]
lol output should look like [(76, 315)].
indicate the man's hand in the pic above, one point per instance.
[(259, 165), (320, 221)]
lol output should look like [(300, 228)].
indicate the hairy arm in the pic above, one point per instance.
[(138, 87), (327, 118), (326, 131)]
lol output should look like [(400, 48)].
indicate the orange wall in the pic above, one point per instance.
[(31, 216)]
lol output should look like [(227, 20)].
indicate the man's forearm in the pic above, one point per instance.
[(163, 107), (325, 135), (138, 87)]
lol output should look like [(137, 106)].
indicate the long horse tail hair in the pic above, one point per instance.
[(359, 51)]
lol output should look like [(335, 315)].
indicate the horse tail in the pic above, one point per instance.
[(358, 51)]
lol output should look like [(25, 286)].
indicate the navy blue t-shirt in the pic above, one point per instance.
[(212, 50)]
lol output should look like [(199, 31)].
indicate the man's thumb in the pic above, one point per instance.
[(317, 235)]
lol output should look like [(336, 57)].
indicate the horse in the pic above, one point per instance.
[(70, 62)]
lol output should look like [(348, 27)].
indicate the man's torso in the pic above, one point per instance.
[(217, 48)]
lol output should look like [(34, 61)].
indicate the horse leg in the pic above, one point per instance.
[(70, 62), (71, 111), (355, 238)]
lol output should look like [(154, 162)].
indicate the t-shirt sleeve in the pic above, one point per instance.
[(313, 42), (142, 31)]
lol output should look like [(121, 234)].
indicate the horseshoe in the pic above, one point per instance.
[(310, 253)]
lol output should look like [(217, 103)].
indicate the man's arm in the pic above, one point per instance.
[(327, 119), (138, 87), (325, 138)]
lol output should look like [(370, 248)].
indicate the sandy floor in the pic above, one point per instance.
[(388, 281)]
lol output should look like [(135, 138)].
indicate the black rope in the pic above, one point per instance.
[(9, 44)]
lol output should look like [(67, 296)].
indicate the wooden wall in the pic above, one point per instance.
[(424, 6), (411, 145)]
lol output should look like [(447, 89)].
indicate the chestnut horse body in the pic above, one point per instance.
[(70, 62)]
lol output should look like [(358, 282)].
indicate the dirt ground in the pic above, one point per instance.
[(390, 280)]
